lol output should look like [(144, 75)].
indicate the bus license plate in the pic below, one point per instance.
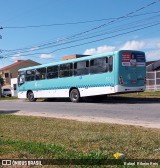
[(133, 81)]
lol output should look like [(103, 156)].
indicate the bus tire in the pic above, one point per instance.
[(74, 96), (30, 96)]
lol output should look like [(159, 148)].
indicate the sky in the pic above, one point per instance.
[(46, 30)]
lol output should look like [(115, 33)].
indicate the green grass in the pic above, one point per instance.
[(39, 137), (146, 94), (8, 98)]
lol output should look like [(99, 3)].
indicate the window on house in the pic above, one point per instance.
[(6, 75), (14, 86)]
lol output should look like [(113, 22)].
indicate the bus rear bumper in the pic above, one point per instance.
[(120, 88)]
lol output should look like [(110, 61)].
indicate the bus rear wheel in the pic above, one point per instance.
[(30, 96), (74, 96)]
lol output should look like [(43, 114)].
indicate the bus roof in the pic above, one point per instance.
[(75, 60)]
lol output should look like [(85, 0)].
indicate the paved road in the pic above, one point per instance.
[(137, 113)]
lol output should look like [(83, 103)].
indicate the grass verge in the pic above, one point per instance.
[(39, 137), (8, 98), (146, 94)]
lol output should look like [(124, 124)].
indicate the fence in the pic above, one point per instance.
[(153, 80)]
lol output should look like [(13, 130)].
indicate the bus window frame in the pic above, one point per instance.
[(32, 75), (86, 67), (39, 75), (55, 73), (110, 66), (106, 67), (61, 73)]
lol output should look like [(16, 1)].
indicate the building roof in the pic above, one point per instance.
[(154, 66), (15, 64), (149, 62)]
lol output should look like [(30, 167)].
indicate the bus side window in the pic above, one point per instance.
[(52, 72), (30, 75), (98, 65), (92, 63), (65, 70), (41, 74), (81, 68), (75, 65), (110, 63)]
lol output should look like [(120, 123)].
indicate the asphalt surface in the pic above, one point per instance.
[(142, 113)]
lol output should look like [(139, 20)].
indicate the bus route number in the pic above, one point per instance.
[(108, 79)]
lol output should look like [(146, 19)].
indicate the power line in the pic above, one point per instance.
[(121, 28), (120, 34), (38, 47), (55, 24), (119, 18), (102, 39), (100, 26), (69, 23)]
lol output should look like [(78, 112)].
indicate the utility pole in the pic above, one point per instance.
[(1, 57), (0, 83), (1, 29)]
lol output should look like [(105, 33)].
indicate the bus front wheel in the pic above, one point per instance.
[(74, 96), (31, 96)]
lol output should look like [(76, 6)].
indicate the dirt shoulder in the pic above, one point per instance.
[(91, 119)]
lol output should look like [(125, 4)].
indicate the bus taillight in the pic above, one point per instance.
[(121, 80)]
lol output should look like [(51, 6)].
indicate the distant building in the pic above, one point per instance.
[(73, 56), (153, 75), (11, 71)]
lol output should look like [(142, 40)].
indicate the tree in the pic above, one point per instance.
[(1, 81), (1, 84)]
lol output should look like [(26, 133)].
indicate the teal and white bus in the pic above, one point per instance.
[(107, 73)]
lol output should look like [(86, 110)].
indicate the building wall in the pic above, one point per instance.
[(2, 73), (68, 57), (14, 87), (13, 70)]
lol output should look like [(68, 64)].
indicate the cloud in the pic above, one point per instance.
[(150, 46), (99, 50), (34, 48), (133, 45), (152, 43), (158, 45), (16, 56), (153, 55), (46, 56)]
